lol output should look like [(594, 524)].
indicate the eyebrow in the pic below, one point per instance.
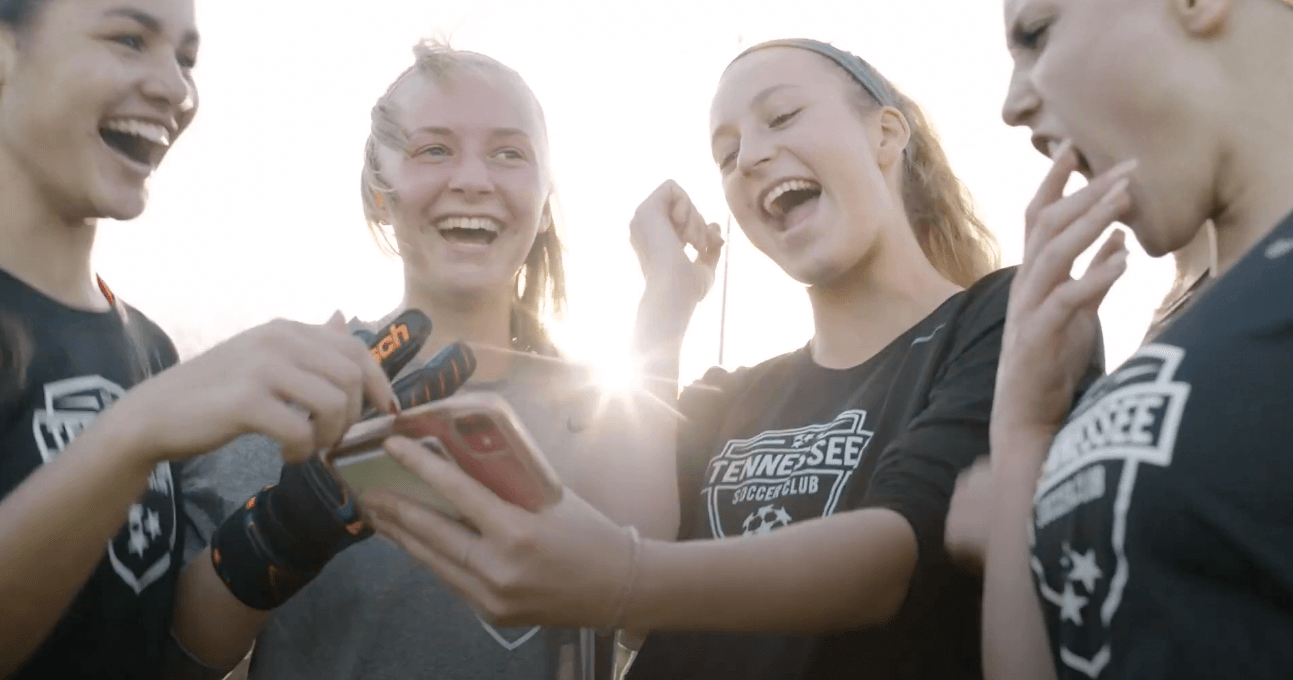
[(448, 132), (148, 21), (758, 100)]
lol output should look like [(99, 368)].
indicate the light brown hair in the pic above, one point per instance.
[(541, 281), (939, 206)]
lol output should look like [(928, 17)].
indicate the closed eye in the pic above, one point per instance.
[(1031, 38), (726, 160), (133, 41), (784, 118)]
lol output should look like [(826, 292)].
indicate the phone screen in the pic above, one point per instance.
[(375, 469)]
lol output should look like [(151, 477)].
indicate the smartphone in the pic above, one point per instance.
[(477, 431)]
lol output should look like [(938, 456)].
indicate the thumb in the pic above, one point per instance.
[(713, 250), (337, 321)]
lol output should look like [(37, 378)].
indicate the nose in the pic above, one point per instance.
[(1022, 102), (169, 83), (756, 149), (471, 176)]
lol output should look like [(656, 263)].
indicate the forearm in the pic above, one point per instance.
[(630, 470), (632, 478), (664, 312), (844, 572), (1014, 633), (212, 624), (53, 529)]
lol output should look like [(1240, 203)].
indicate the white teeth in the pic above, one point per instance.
[(488, 224), (151, 132), (1053, 147), (770, 200)]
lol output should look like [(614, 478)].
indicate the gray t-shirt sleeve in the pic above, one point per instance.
[(217, 483)]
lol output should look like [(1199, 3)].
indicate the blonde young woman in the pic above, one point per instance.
[(457, 179)]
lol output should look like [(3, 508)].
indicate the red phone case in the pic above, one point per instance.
[(482, 434)]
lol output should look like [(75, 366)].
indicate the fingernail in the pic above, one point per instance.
[(1115, 193), (1124, 167)]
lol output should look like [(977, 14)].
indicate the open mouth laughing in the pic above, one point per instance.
[(140, 141), (464, 230), (789, 199)]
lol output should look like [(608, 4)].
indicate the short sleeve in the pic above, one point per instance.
[(703, 406), (214, 485), (917, 471)]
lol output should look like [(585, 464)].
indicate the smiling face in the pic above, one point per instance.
[(808, 176), (1123, 80), (471, 183), (93, 95)]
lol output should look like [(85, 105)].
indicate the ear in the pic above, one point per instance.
[(381, 206), (545, 217), (1202, 18), (895, 132)]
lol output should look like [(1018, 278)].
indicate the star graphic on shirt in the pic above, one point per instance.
[(1071, 604), (1085, 570), (138, 542), (153, 524)]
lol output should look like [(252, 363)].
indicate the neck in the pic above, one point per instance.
[(1195, 259), (484, 322), (1257, 163), (45, 250), (868, 308)]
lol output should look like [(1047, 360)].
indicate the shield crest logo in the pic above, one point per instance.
[(1088, 485), (141, 553)]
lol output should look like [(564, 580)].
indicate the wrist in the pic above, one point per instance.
[(664, 312), (663, 292), (622, 596), (1017, 458), (121, 437), (277, 542)]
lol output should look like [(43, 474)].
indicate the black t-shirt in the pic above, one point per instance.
[(1163, 522), (788, 441), (79, 363)]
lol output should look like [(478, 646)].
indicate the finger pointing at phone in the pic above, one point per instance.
[(508, 567)]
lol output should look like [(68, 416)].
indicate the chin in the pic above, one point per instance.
[(121, 203), (813, 272), (1155, 238)]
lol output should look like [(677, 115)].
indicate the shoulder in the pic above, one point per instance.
[(988, 298), (157, 341), (722, 384), (979, 312)]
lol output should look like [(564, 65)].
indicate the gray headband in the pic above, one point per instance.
[(863, 73)]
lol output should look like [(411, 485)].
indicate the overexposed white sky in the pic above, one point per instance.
[(256, 212)]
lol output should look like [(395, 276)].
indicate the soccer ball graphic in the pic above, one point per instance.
[(765, 519)]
